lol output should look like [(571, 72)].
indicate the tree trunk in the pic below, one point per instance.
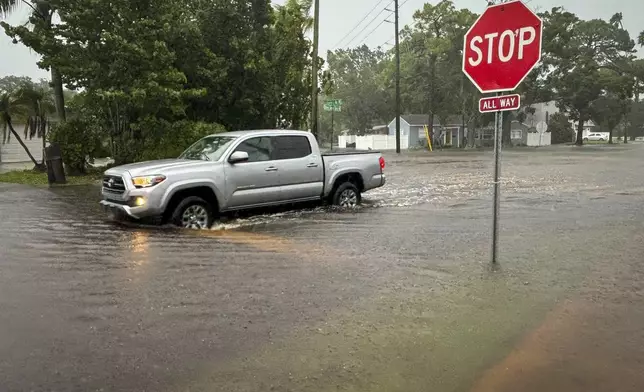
[(59, 98), (580, 132), (610, 136), (15, 134)]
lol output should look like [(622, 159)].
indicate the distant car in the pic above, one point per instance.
[(595, 137)]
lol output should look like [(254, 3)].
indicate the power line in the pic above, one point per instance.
[(387, 42), (371, 32), (359, 23), (380, 24), (369, 24)]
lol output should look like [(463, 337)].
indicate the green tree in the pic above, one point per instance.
[(11, 107), (634, 123), (576, 51), (11, 83), (355, 74), (252, 61), (560, 129), (38, 99), (130, 71), (609, 109), (37, 35), (431, 59), (291, 63)]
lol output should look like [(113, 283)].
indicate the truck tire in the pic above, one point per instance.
[(193, 212), (347, 195)]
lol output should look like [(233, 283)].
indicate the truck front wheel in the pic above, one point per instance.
[(193, 212), (346, 195)]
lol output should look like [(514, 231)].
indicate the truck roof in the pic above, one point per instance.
[(262, 131)]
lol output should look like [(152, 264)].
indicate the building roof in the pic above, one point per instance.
[(416, 119)]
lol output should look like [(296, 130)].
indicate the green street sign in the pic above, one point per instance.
[(333, 105)]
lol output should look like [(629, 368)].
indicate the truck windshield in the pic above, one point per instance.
[(209, 148)]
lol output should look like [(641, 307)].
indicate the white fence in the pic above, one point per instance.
[(535, 139), (373, 142)]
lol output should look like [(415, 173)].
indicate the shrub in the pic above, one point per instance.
[(79, 142), (171, 139), (560, 129)]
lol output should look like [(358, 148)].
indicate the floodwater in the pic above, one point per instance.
[(398, 295)]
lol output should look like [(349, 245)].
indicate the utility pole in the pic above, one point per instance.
[(314, 70), (397, 79)]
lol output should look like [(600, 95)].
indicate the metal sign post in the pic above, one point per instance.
[(498, 135), (332, 130), (332, 106), (499, 50)]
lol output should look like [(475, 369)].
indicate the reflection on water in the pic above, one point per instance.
[(139, 247)]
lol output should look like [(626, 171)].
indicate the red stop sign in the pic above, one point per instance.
[(502, 47)]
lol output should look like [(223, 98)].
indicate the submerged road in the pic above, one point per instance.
[(396, 296)]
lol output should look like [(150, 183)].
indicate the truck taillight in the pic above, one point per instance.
[(382, 163)]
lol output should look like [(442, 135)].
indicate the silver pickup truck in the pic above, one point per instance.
[(239, 170)]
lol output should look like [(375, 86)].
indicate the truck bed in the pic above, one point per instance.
[(350, 152)]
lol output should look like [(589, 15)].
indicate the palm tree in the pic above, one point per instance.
[(39, 102), (11, 106), (7, 6), (44, 11)]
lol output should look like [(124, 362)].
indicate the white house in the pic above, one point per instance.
[(412, 128), (544, 110)]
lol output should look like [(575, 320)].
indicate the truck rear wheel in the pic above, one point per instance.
[(346, 195), (193, 212)]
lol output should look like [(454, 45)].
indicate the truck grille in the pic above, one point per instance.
[(113, 184)]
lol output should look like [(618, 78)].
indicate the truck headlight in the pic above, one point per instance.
[(147, 181)]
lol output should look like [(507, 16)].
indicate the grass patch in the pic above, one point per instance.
[(36, 178)]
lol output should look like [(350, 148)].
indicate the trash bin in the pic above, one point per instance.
[(55, 169)]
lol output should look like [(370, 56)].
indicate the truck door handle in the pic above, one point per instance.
[(271, 168), (312, 165)]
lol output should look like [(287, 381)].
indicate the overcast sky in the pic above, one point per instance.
[(339, 17)]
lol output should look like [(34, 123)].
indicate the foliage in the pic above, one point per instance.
[(37, 35), (78, 140), (171, 142), (432, 51), (354, 73), (634, 122), (155, 73), (12, 106), (38, 178), (11, 83), (608, 111), (588, 69), (39, 102), (560, 129), (578, 54), (153, 67)]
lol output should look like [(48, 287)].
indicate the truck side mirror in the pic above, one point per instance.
[(237, 157)]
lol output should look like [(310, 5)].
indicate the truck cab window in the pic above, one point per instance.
[(258, 148), (292, 147)]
